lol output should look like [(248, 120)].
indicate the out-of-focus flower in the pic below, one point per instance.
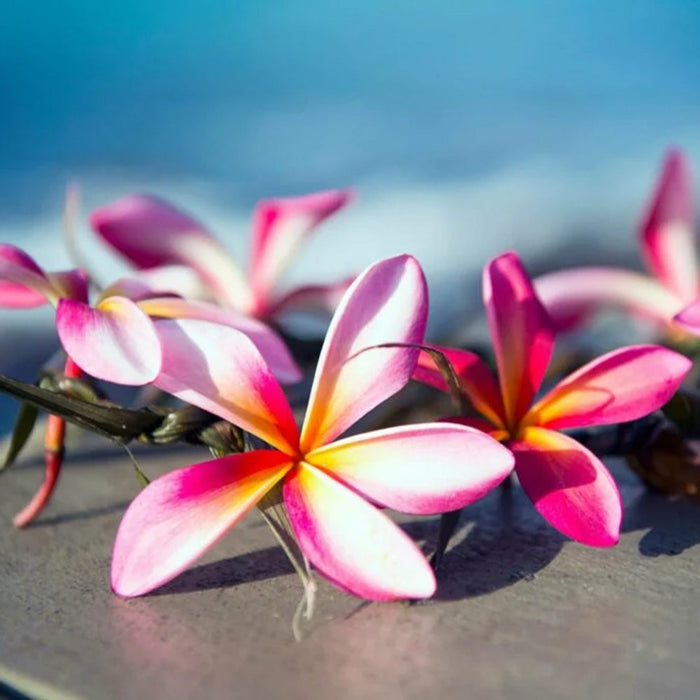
[(567, 483), (667, 242), (325, 483), (150, 232)]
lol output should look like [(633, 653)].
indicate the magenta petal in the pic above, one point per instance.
[(689, 318), (23, 284), (279, 227), (569, 486), (115, 342), (351, 542), (219, 369), (421, 469), (270, 345), (522, 333), (150, 232), (668, 230), (475, 378), (385, 304), (571, 296), (619, 386), (177, 517)]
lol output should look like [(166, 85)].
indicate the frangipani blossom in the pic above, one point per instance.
[(667, 242), (568, 484), (24, 285), (326, 483), (149, 232)]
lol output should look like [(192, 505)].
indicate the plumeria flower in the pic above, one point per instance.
[(326, 482), (569, 486), (24, 285), (115, 338), (667, 242), (149, 232)]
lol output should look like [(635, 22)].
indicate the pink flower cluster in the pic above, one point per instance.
[(190, 322)]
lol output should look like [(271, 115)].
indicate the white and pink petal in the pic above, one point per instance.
[(421, 469), (351, 542), (180, 515), (387, 304), (114, 341)]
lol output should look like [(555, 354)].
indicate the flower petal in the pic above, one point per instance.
[(270, 345), (219, 369), (475, 379), (619, 386), (421, 469), (318, 298), (667, 234), (522, 333), (177, 517), (570, 296), (115, 341), (23, 284), (351, 542), (569, 486), (279, 227), (689, 318), (386, 304), (159, 281), (70, 284), (149, 232)]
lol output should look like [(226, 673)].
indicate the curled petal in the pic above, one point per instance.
[(421, 469), (668, 229), (619, 386), (351, 542), (569, 486), (320, 298), (71, 284), (177, 517), (219, 369), (279, 226), (270, 345), (689, 318), (522, 333), (571, 296), (149, 232), (23, 284), (474, 376), (386, 304), (115, 341), (179, 280)]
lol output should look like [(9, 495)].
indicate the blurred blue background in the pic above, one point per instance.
[(466, 127)]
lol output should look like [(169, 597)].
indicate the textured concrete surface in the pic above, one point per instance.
[(520, 612)]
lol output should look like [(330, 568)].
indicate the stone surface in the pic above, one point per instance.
[(520, 612)]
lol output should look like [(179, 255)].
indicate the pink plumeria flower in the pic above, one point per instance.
[(148, 232), (326, 482), (24, 285), (569, 486), (667, 242)]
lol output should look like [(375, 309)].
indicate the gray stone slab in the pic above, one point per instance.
[(520, 612)]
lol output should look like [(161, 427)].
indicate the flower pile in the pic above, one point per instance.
[(189, 323)]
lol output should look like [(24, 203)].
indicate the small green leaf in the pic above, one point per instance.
[(140, 476), (26, 419)]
